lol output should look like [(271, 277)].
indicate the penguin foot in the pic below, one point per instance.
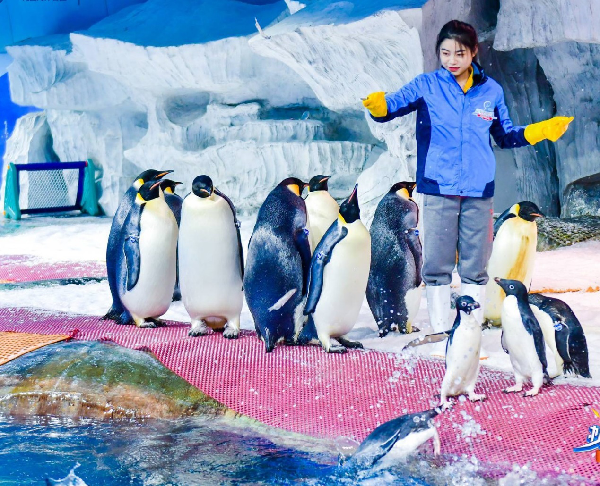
[(514, 389), (477, 397), (336, 349), (231, 333), (157, 322), (531, 393), (446, 405), (199, 328), (383, 332), (147, 324), (349, 344)]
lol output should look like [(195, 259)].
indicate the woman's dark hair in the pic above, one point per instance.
[(460, 32)]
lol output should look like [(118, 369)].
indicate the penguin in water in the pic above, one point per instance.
[(211, 260), (563, 334), (394, 288), (275, 278), (522, 338), (513, 254), (395, 440), (113, 247), (462, 353), (147, 258), (338, 277), (322, 209), (174, 202)]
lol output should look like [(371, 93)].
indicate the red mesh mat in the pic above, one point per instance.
[(23, 268), (305, 390)]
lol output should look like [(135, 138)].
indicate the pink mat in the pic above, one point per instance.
[(24, 268), (305, 390)]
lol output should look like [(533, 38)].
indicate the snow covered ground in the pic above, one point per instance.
[(572, 273)]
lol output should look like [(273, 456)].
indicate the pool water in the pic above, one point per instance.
[(181, 452)]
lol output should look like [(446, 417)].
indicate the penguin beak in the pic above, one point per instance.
[(538, 215), (353, 193), (204, 190), (154, 185), (473, 306), (162, 174), (326, 178)]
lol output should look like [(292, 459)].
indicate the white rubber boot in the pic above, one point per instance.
[(438, 305), (477, 292)]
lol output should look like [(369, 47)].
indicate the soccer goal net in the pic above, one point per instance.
[(50, 187)]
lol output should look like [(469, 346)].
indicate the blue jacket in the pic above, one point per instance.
[(454, 149)]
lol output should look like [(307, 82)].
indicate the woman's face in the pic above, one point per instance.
[(455, 57)]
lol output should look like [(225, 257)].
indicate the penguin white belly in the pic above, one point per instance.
[(518, 341), (322, 210), (462, 359), (549, 337), (513, 254), (153, 292), (412, 300), (209, 267), (406, 446), (344, 283)]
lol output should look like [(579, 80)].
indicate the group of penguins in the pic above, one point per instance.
[(309, 265)]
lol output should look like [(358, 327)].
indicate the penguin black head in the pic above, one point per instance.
[(405, 189), (349, 210), (151, 175), (318, 183), (466, 304), (202, 186), (148, 191), (168, 186), (512, 287), (294, 184), (529, 211)]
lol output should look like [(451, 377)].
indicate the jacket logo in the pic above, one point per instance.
[(485, 114)]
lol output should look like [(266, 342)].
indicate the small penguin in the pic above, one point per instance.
[(522, 338), (322, 209), (394, 288), (462, 353), (113, 246), (338, 277), (211, 260), (147, 258), (275, 278), (513, 254), (174, 201), (395, 440), (563, 334)]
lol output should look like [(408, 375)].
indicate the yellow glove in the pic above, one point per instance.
[(376, 104), (551, 129)]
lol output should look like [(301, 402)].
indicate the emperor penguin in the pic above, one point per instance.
[(211, 261), (338, 276), (563, 334), (174, 201), (147, 258), (522, 338), (113, 246), (394, 287), (513, 254), (322, 209), (462, 353), (276, 274), (395, 440)]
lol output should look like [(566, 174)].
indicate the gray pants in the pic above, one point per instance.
[(451, 224)]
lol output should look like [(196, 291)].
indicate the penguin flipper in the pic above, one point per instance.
[(131, 245), (302, 243), (320, 259), (237, 229), (503, 217), (533, 327), (414, 245)]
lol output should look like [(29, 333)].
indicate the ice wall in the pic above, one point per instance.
[(192, 86)]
